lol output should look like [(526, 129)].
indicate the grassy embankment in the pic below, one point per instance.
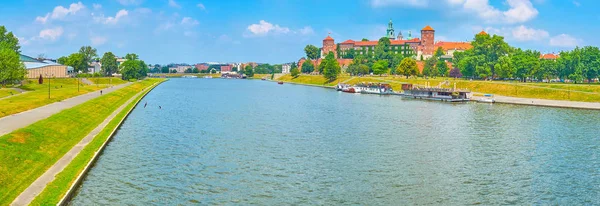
[(27, 153), (37, 95), (553, 91), (104, 80), (316, 80), (57, 189), (5, 92)]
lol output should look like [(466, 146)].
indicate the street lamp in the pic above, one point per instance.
[(48, 77)]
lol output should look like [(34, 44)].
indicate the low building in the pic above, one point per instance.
[(549, 56), (226, 68), (46, 68), (94, 67), (181, 69), (201, 67)]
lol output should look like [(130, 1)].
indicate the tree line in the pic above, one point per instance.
[(131, 68), (492, 58)]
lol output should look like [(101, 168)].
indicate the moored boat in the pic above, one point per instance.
[(435, 93), (381, 89), (341, 87), (487, 98), (280, 82)]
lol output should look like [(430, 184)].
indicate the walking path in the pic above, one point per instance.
[(23, 119), (18, 90), (86, 81), (38, 186), (545, 102)]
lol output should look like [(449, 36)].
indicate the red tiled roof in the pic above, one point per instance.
[(453, 45), (549, 56), (365, 43), (483, 33), (349, 41), (328, 38), (427, 28)]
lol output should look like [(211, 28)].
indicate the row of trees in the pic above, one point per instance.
[(131, 68), (492, 58), (11, 68)]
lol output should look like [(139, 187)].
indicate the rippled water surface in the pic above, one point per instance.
[(245, 142)]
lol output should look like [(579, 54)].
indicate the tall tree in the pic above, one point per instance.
[(77, 61), (380, 67), (11, 68), (308, 67), (88, 53), (9, 40), (504, 67), (364, 39), (408, 67), (248, 71), (439, 52), (131, 56), (525, 62), (429, 68), (331, 67), (382, 50), (442, 68), (130, 69), (312, 52), (294, 72), (109, 64)]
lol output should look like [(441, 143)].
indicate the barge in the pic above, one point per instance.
[(436, 93)]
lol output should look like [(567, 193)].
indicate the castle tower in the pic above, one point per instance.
[(328, 46), (390, 31), (428, 40), (400, 37)]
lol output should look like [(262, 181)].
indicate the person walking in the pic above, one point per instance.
[(100, 92)]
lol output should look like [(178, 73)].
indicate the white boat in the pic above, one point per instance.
[(436, 94), (208, 77), (487, 98), (341, 87), (381, 89), (189, 76)]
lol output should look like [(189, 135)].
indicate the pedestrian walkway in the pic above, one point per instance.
[(23, 119), (545, 102), (40, 183)]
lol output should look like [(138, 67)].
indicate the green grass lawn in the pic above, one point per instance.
[(55, 191), (60, 89), (106, 80), (318, 80), (27, 153), (5, 92)]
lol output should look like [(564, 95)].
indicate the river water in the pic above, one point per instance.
[(240, 142)]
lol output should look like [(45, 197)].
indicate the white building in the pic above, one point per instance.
[(94, 67), (181, 69), (285, 68)]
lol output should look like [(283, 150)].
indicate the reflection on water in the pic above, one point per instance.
[(244, 142)]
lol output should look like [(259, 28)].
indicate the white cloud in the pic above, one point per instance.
[(564, 40), (61, 12), (383, 3), (263, 28), (98, 40), (51, 34), (522, 33), (97, 6), (201, 6), (174, 4), (112, 20), (130, 2), (519, 10), (307, 30), (188, 21), (576, 3)]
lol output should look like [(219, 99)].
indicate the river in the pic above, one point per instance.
[(240, 142)]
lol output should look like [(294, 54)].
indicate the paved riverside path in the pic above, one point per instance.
[(40, 183), (16, 121), (545, 102)]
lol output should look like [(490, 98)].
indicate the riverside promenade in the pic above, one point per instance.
[(545, 102), (23, 119)]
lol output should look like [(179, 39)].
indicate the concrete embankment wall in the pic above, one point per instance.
[(71, 192)]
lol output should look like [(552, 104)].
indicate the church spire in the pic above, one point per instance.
[(390, 30)]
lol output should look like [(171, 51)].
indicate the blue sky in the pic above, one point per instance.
[(276, 31)]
